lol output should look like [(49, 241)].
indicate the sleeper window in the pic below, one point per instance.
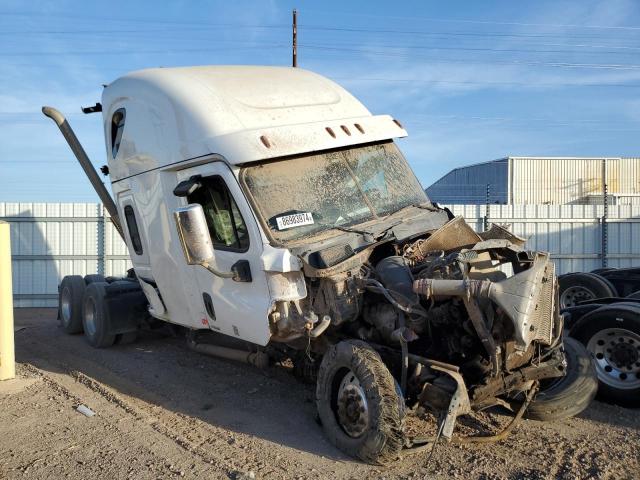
[(132, 226), (117, 126), (226, 226)]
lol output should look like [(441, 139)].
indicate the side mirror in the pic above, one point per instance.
[(194, 234)]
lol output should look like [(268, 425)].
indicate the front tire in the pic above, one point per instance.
[(566, 396), (358, 403), (94, 316)]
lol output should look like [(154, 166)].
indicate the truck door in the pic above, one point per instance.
[(239, 309)]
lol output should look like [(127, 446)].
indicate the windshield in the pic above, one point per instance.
[(303, 196)]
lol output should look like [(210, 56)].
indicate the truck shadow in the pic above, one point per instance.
[(159, 370)]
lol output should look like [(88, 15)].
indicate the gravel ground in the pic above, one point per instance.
[(163, 411)]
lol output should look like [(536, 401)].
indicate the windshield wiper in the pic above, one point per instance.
[(423, 206), (368, 236)]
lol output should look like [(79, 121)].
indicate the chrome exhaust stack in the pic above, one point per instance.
[(85, 163)]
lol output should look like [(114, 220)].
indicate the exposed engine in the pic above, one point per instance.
[(477, 304)]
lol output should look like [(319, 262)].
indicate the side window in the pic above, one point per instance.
[(132, 226), (117, 126), (226, 226)]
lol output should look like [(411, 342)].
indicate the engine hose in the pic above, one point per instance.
[(404, 349), (376, 286), (405, 365)]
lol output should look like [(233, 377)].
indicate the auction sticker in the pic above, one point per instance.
[(295, 220)]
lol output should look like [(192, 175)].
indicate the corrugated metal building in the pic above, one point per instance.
[(541, 180)]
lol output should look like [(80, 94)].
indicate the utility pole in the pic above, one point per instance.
[(295, 37)]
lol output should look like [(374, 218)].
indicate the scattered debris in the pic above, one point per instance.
[(250, 475), (86, 411)]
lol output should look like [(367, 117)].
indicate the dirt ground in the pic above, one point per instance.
[(163, 411)]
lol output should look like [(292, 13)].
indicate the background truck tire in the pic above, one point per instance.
[(95, 316), (93, 278), (569, 395), (376, 433), (576, 287), (70, 303), (611, 335)]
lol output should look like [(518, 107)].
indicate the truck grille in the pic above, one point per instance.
[(542, 319)]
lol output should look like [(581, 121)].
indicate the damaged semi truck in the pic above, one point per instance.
[(268, 212)]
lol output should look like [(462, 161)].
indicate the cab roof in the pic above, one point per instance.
[(244, 113)]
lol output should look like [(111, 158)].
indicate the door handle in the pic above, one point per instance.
[(241, 271)]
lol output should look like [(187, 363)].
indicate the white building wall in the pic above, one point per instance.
[(537, 180)]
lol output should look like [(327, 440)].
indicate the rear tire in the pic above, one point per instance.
[(567, 396), (126, 338), (70, 298), (358, 403), (93, 278), (612, 337), (578, 287), (599, 271), (94, 316)]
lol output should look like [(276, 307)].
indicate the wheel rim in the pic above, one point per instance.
[(90, 317), (573, 295), (353, 410), (65, 305), (616, 355)]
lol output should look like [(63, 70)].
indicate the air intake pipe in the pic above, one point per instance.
[(85, 163)]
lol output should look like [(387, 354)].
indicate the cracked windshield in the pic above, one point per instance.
[(301, 197)]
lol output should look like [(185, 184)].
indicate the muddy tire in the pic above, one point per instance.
[(569, 395), (94, 316), (358, 403), (70, 297), (93, 278), (577, 287), (611, 335)]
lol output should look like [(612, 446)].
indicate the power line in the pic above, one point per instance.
[(479, 49), (474, 60), (169, 51), (366, 51), (523, 119), (137, 21), (335, 14), (441, 33), (479, 82), (159, 30), (482, 22)]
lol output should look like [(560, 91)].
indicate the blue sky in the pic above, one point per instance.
[(471, 81)]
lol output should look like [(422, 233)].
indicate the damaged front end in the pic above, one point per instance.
[(464, 321), (509, 296)]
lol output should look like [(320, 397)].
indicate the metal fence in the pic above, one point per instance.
[(579, 237), (51, 240)]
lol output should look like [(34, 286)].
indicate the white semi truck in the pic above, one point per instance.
[(271, 215)]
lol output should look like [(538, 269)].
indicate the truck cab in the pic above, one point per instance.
[(278, 158)]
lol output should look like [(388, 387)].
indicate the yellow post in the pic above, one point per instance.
[(7, 353)]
